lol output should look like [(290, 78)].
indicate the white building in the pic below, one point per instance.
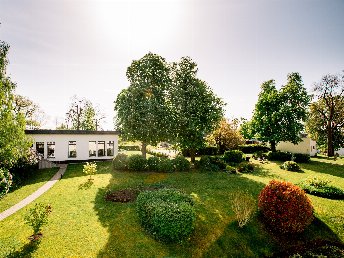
[(72, 145), (340, 151), (306, 146)]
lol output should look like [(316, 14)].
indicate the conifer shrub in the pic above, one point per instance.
[(285, 207), (137, 163), (120, 162), (167, 214), (290, 166), (233, 156)]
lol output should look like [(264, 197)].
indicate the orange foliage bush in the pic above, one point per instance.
[(285, 207)]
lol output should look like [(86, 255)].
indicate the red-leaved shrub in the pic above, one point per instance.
[(285, 207)]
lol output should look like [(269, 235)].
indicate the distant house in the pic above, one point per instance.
[(306, 146), (340, 151), (74, 145)]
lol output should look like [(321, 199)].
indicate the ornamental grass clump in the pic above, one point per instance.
[(167, 214), (285, 207), (243, 205), (37, 217), (90, 168)]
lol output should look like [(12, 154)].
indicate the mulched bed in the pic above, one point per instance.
[(128, 194)]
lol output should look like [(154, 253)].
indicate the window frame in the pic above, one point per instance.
[(72, 143)]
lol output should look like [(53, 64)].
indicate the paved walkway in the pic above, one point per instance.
[(36, 194)]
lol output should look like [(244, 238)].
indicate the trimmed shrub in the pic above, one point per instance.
[(321, 187), (165, 165), (5, 181), (301, 158), (259, 155), (210, 164), (245, 167), (181, 163), (252, 148), (279, 156), (129, 147), (233, 156), (153, 163), (120, 162), (290, 166), (285, 207), (231, 169), (167, 214), (137, 163)]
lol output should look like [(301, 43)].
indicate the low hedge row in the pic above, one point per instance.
[(321, 187), (287, 156), (252, 148), (129, 147), (139, 163), (167, 214)]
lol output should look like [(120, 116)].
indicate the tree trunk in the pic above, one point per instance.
[(192, 155), (330, 149), (144, 149), (273, 145)]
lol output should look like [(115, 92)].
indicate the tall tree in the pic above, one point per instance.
[(246, 129), (280, 115), (82, 115), (326, 119), (13, 142), (226, 136), (195, 108), (141, 110), (34, 116)]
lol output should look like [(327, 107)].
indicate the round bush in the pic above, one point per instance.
[(120, 162), (233, 156), (153, 163), (181, 164), (291, 166), (167, 214), (279, 156), (209, 164), (165, 165), (285, 207), (137, 163), (245, 167)]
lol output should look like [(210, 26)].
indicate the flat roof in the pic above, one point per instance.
[(47, 131)]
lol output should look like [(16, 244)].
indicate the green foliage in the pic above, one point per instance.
[(252, 148), (141, 110), (120, 162), (285, 207), (137, 163), (14, 144), (167, 214), (279, 115), (37, 217), (259, 155), (90, 168), (5, 181), (210, 164), (208, 150), (129, 147), (246, 129), (166, 165), (279, 156), (195, 107), (153, 163), (301, 158), (321, 187), (245, 167), (290, 166), (243, 205), (231, 169), (233, 156), (326, 117), (181, 163)]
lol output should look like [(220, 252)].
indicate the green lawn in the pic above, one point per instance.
[(28, 187), (83, 224)]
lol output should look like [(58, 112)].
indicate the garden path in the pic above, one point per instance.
[(36, 194)]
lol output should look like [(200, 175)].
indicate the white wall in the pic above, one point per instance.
[(340, 151), (82, 148), (307, 146)]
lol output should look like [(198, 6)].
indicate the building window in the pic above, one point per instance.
[(101, 148), (40, 148), (92, 148), (110, 148), (72, 149), (51, 149)]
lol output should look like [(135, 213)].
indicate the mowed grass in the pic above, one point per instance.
[(83, 224), (39, 178)]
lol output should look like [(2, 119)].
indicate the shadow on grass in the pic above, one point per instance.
[(325, 168), (26, 251), (86, 185)]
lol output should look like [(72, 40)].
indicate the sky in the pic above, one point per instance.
[(61, 48)]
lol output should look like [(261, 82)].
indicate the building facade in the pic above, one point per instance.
[(306, 146), (74, 145)]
